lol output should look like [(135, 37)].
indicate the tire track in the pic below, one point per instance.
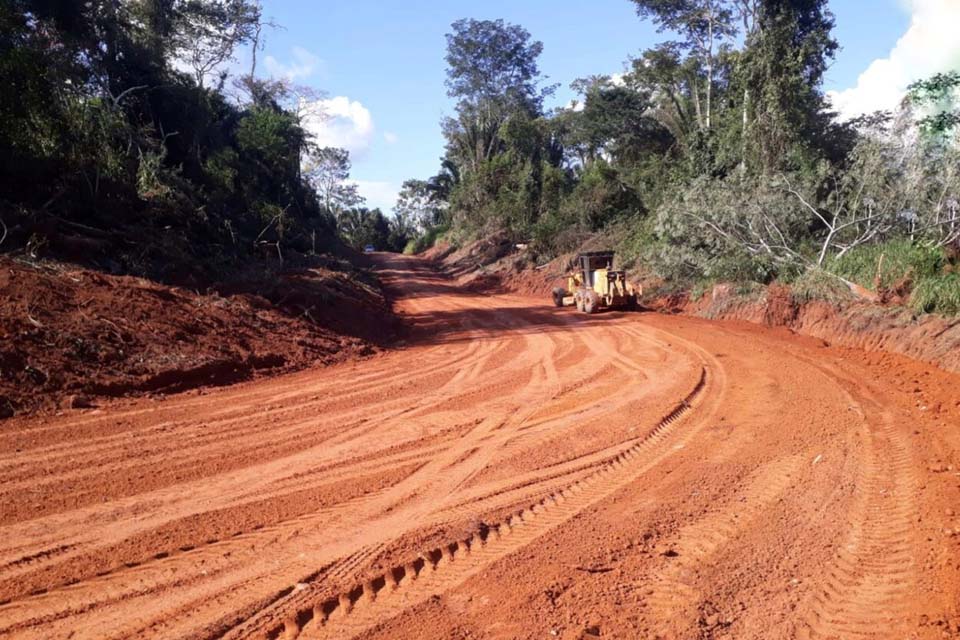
[(870, 583), (670, 595), (438, 569)]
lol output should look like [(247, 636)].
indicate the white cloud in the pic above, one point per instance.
[(340, 122), (379, 194), (304, 65), (929, 46), (390, 137)]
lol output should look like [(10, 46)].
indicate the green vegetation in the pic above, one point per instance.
[(883, 265), (817, 284), (124, 142), (425, 240), (939, 293), (714, 157), (924, 273)]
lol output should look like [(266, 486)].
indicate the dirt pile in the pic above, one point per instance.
[(496, 264), (69, 335)]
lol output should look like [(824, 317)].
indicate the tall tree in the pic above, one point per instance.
[(210, 32), (939, 99), (784, 61), (496, 139), (328, 170), (491, 61), (705, 25), (418, 206)]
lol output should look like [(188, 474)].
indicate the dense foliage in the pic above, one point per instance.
[(714, 156), (124, 141)]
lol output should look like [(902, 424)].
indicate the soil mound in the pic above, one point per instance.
[(70, 334)]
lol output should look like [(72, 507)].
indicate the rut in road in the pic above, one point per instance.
[(438, 569), (669, 592), (869, 583)]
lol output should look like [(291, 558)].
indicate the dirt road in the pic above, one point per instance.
[(513, 471)]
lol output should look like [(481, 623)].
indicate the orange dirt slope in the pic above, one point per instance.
[(69, 335)]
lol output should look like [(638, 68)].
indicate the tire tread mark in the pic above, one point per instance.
[(350, 612)]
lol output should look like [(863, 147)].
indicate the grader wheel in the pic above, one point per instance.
[(591, 302), (558, 295)]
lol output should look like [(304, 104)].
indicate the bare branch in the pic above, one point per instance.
[(123, 94), (806, 204)]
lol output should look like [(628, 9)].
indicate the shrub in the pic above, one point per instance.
[(901, 259), (937, 294), (423, 242), (817, 284)]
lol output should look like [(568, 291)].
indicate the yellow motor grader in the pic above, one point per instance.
[(593, 284)]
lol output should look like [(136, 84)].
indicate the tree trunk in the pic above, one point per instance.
[(710, 20), (743, 132), (696, 102)]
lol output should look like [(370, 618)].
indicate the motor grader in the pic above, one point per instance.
[(593, 284)]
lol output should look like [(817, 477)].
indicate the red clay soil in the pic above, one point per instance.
[(513, 471), (69, 335), (864, 325)]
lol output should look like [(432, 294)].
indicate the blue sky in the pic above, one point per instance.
[(381, 63)]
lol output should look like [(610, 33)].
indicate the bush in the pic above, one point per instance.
[(937, 294), (901, 259), (428, 239), (817, 284)]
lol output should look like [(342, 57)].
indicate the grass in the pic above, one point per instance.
[(932, 288), (817, 284), (900, 258), (940, 294)]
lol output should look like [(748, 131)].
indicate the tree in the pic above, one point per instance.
[(361, 226), (491, 61), (939, 95), (210, 31), (418, 207), (498, 144), (785, 120), (615, 121), (328, 170), (705, 25)]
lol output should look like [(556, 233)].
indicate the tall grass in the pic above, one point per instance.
[(817, 284), (940, 294), (926, 270), (892, 261)]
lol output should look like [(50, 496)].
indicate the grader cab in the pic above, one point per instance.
[(594, 284)]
